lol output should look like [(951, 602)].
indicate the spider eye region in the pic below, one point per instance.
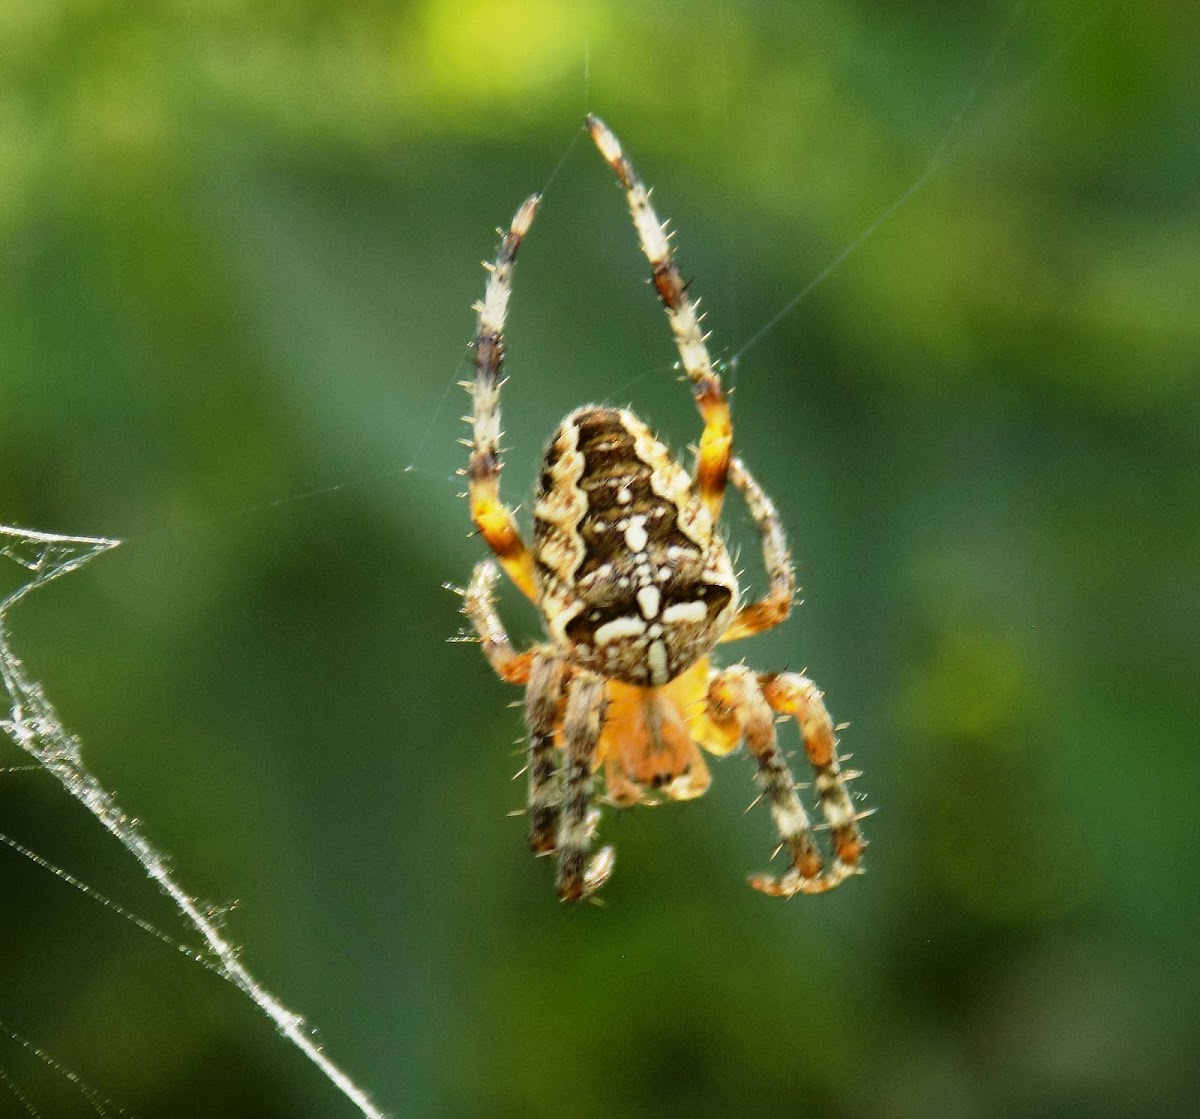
[(633, 578)]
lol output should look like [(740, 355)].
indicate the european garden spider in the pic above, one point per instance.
[(635, 587)]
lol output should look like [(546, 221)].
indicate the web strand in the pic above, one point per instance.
[(34, 725), (953, 141), (108, 903), (97, 1101)]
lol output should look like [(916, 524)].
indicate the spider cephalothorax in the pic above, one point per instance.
[(635, 587)]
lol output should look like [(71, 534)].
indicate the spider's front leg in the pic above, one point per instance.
[(738, 695), (492, 517), (716, 440), (579, 877)]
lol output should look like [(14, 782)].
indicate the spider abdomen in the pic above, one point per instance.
[(633, 577)]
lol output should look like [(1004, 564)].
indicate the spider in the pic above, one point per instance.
[(634, 584)]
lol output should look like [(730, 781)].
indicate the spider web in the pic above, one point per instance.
[(34, 725)]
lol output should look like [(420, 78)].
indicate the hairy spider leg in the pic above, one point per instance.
[(579, 877), (737, 694), (789, 693), (479, 605), (754, 617), (541, 717), (543, 672), (492, 517), (716, 440)]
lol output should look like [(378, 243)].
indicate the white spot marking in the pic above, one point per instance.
[(618, 628), (657, 657), (648, 601), (635, 535), (685, 612)]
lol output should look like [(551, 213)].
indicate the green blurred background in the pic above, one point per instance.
[(238, 246)]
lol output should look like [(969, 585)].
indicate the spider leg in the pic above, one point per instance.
[(579, 877), (479, 605), (543, 674), (541, 716), (736, 694), (754, 617), (492, 517), (792, 694), (712, 457)]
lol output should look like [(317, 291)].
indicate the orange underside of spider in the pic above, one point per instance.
[(652, 737), (629, 570)]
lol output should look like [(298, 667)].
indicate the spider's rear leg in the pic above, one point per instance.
[(716, 441), (736, 694), (792, 694), (542, 673), (541, 715), (579, 877)]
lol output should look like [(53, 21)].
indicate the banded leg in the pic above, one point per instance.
[(479, 605), (792, 694), (579, 877), (541, 716), (755, 617), (712, 459), (734, 694), (492, 517)]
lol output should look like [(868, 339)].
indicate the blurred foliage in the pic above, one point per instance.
[(240, 241)]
